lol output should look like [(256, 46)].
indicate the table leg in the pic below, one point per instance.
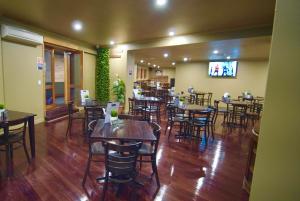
[(31, 135)]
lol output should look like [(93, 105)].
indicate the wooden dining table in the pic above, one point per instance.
[(123, 130), (16, 115)]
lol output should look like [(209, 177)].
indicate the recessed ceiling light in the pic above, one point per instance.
[(228, 57), (185, 59), (166, 55), (142, 61), (161, 2), (173, 63), (77, 25), (154, 65), (149, 64), (158, 66), (215, 51), (112, 42), (171, 33)]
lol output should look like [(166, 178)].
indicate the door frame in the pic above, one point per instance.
[(67, 87)]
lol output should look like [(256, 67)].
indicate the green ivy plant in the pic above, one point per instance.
[(119, 90), (102, 75)]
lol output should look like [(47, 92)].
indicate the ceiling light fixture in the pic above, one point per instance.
[(215, 51), (166, 55), (154, 65), (161, 2), (228, 57), (77, 25), (112, 42), (173, 63), (171, 33), (149, 64), (142, 61), (185, 59), (158, 66)]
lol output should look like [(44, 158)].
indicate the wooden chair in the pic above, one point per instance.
[(200, 99), (199, 122), (74, 116), (96, 149), (254, 112), (120, 164), (137, 106), (207, 100), (220, 110), (150, 151), (173, 119), (152, 110), (211, 121), (11, 137), (237, 116)]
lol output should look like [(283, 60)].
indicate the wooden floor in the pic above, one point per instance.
[(187, 170)]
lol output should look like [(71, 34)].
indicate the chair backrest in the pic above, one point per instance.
[(209, 98), (256, 108), (16, 126), (120, 160), (93, 113), (213, 113), (156, 131), (170, 112), (154, 105), (216, 104), (131, 117), (239, 110), (70, 108), (203, 114), (130, 105)]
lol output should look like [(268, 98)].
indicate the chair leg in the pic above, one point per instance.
[(8, 160), (26, 152), (68, 128), (154, 169), (105, 187), (141, 158), (212, 131), (170, 131), (87, 170)]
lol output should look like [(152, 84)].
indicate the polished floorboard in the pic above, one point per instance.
[(188, 170)]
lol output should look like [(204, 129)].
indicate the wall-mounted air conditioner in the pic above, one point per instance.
[(20, 35)]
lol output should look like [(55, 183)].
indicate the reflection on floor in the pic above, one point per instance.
[(188, 170)]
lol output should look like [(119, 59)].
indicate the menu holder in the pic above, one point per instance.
[(84, 95)]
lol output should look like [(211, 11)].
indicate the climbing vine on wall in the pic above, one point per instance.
[(102, 75)]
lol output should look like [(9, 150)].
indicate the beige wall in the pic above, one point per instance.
[(89, 64), (20, 76), (118, 66), (170, 72), (276, 172), (1, 77), (251, 75), (22, 91)]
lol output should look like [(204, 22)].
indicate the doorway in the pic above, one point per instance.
[(63, 77)]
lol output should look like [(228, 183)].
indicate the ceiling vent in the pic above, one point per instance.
[(22, 36)]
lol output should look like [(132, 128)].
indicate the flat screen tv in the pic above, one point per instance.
[(222, 68)]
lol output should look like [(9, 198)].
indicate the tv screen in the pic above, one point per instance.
[(222, 68)]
